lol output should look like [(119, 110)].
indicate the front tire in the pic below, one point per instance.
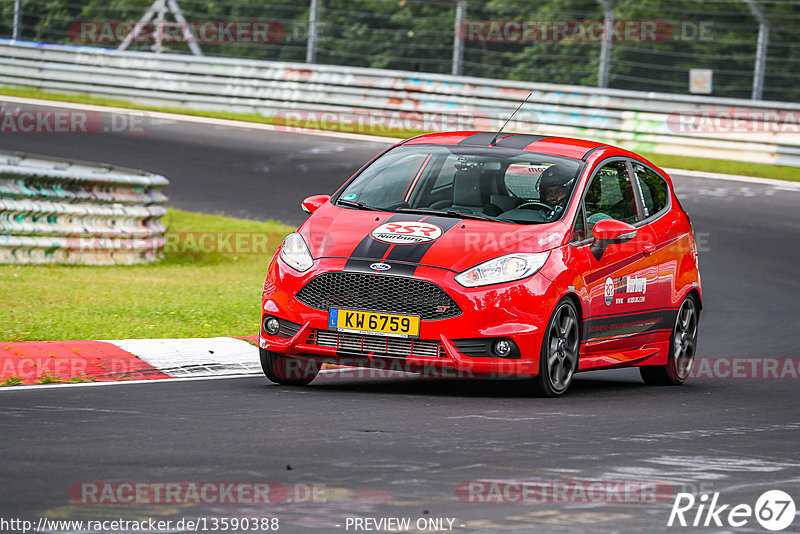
[(682, 347), (558, 360), (286, 370)]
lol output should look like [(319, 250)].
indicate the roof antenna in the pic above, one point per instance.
[(494, 140)]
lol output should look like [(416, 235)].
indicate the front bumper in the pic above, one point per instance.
[(516, 311)]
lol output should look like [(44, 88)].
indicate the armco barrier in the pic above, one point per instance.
[(647, 122), (56, 211)]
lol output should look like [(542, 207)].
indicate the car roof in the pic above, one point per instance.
[(543, 144)]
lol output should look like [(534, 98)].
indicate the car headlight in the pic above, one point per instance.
[(295, 254), (503, 269)]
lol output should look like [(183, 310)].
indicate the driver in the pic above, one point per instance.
[(554, 186)]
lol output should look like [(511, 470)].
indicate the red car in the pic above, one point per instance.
[(486, 255)]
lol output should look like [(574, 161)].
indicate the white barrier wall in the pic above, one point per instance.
[(761, 132), (56, 211)]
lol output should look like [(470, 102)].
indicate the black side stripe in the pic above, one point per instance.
[(520, 140), (607, 270), (617, 315), (617, 337), (372, 248), (630, 324), (415, 253)]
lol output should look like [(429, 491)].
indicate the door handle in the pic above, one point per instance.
[(648, 249)]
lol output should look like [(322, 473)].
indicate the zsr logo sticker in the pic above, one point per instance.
[(407, 233), (608, 291)]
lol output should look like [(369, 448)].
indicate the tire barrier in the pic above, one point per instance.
[(57, 211), (720, 128)]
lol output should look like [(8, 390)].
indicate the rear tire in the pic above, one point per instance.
[(682, 347), (558, 360), (286, 370)]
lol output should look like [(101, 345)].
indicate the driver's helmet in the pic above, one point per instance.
[(554, 185)]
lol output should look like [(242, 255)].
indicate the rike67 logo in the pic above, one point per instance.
[(774, 510)]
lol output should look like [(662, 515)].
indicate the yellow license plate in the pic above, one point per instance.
[(385, 324)]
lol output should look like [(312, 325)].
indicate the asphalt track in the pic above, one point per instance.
[(401, 446)]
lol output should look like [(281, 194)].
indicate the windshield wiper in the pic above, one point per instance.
[(452, 213), (354, 204)]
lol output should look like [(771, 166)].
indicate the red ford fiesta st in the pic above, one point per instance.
[(484, 254)]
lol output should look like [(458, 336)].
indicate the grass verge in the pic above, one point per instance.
[(665, 161), (187, 294), (740, 168)]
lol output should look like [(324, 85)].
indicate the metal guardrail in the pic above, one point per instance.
[(766, 132), (57, 211)]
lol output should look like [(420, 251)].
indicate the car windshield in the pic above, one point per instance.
[(492, 183)]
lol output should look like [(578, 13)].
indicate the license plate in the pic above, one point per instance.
[(385, 324)]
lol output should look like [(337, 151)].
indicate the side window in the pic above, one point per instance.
[(610, 196), (446, 174), (579, 228), (654, 189), (390, 182), (522, 179)]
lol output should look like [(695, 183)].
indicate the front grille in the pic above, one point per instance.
[(391, 294), (378, 345)]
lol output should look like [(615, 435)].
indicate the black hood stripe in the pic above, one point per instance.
[(415, 253), (404, 259), (372, 248)]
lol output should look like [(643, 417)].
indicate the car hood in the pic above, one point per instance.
[(365, 238)]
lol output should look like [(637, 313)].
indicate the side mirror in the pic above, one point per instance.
[(313, 203), (610, 232), (614, 231)]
